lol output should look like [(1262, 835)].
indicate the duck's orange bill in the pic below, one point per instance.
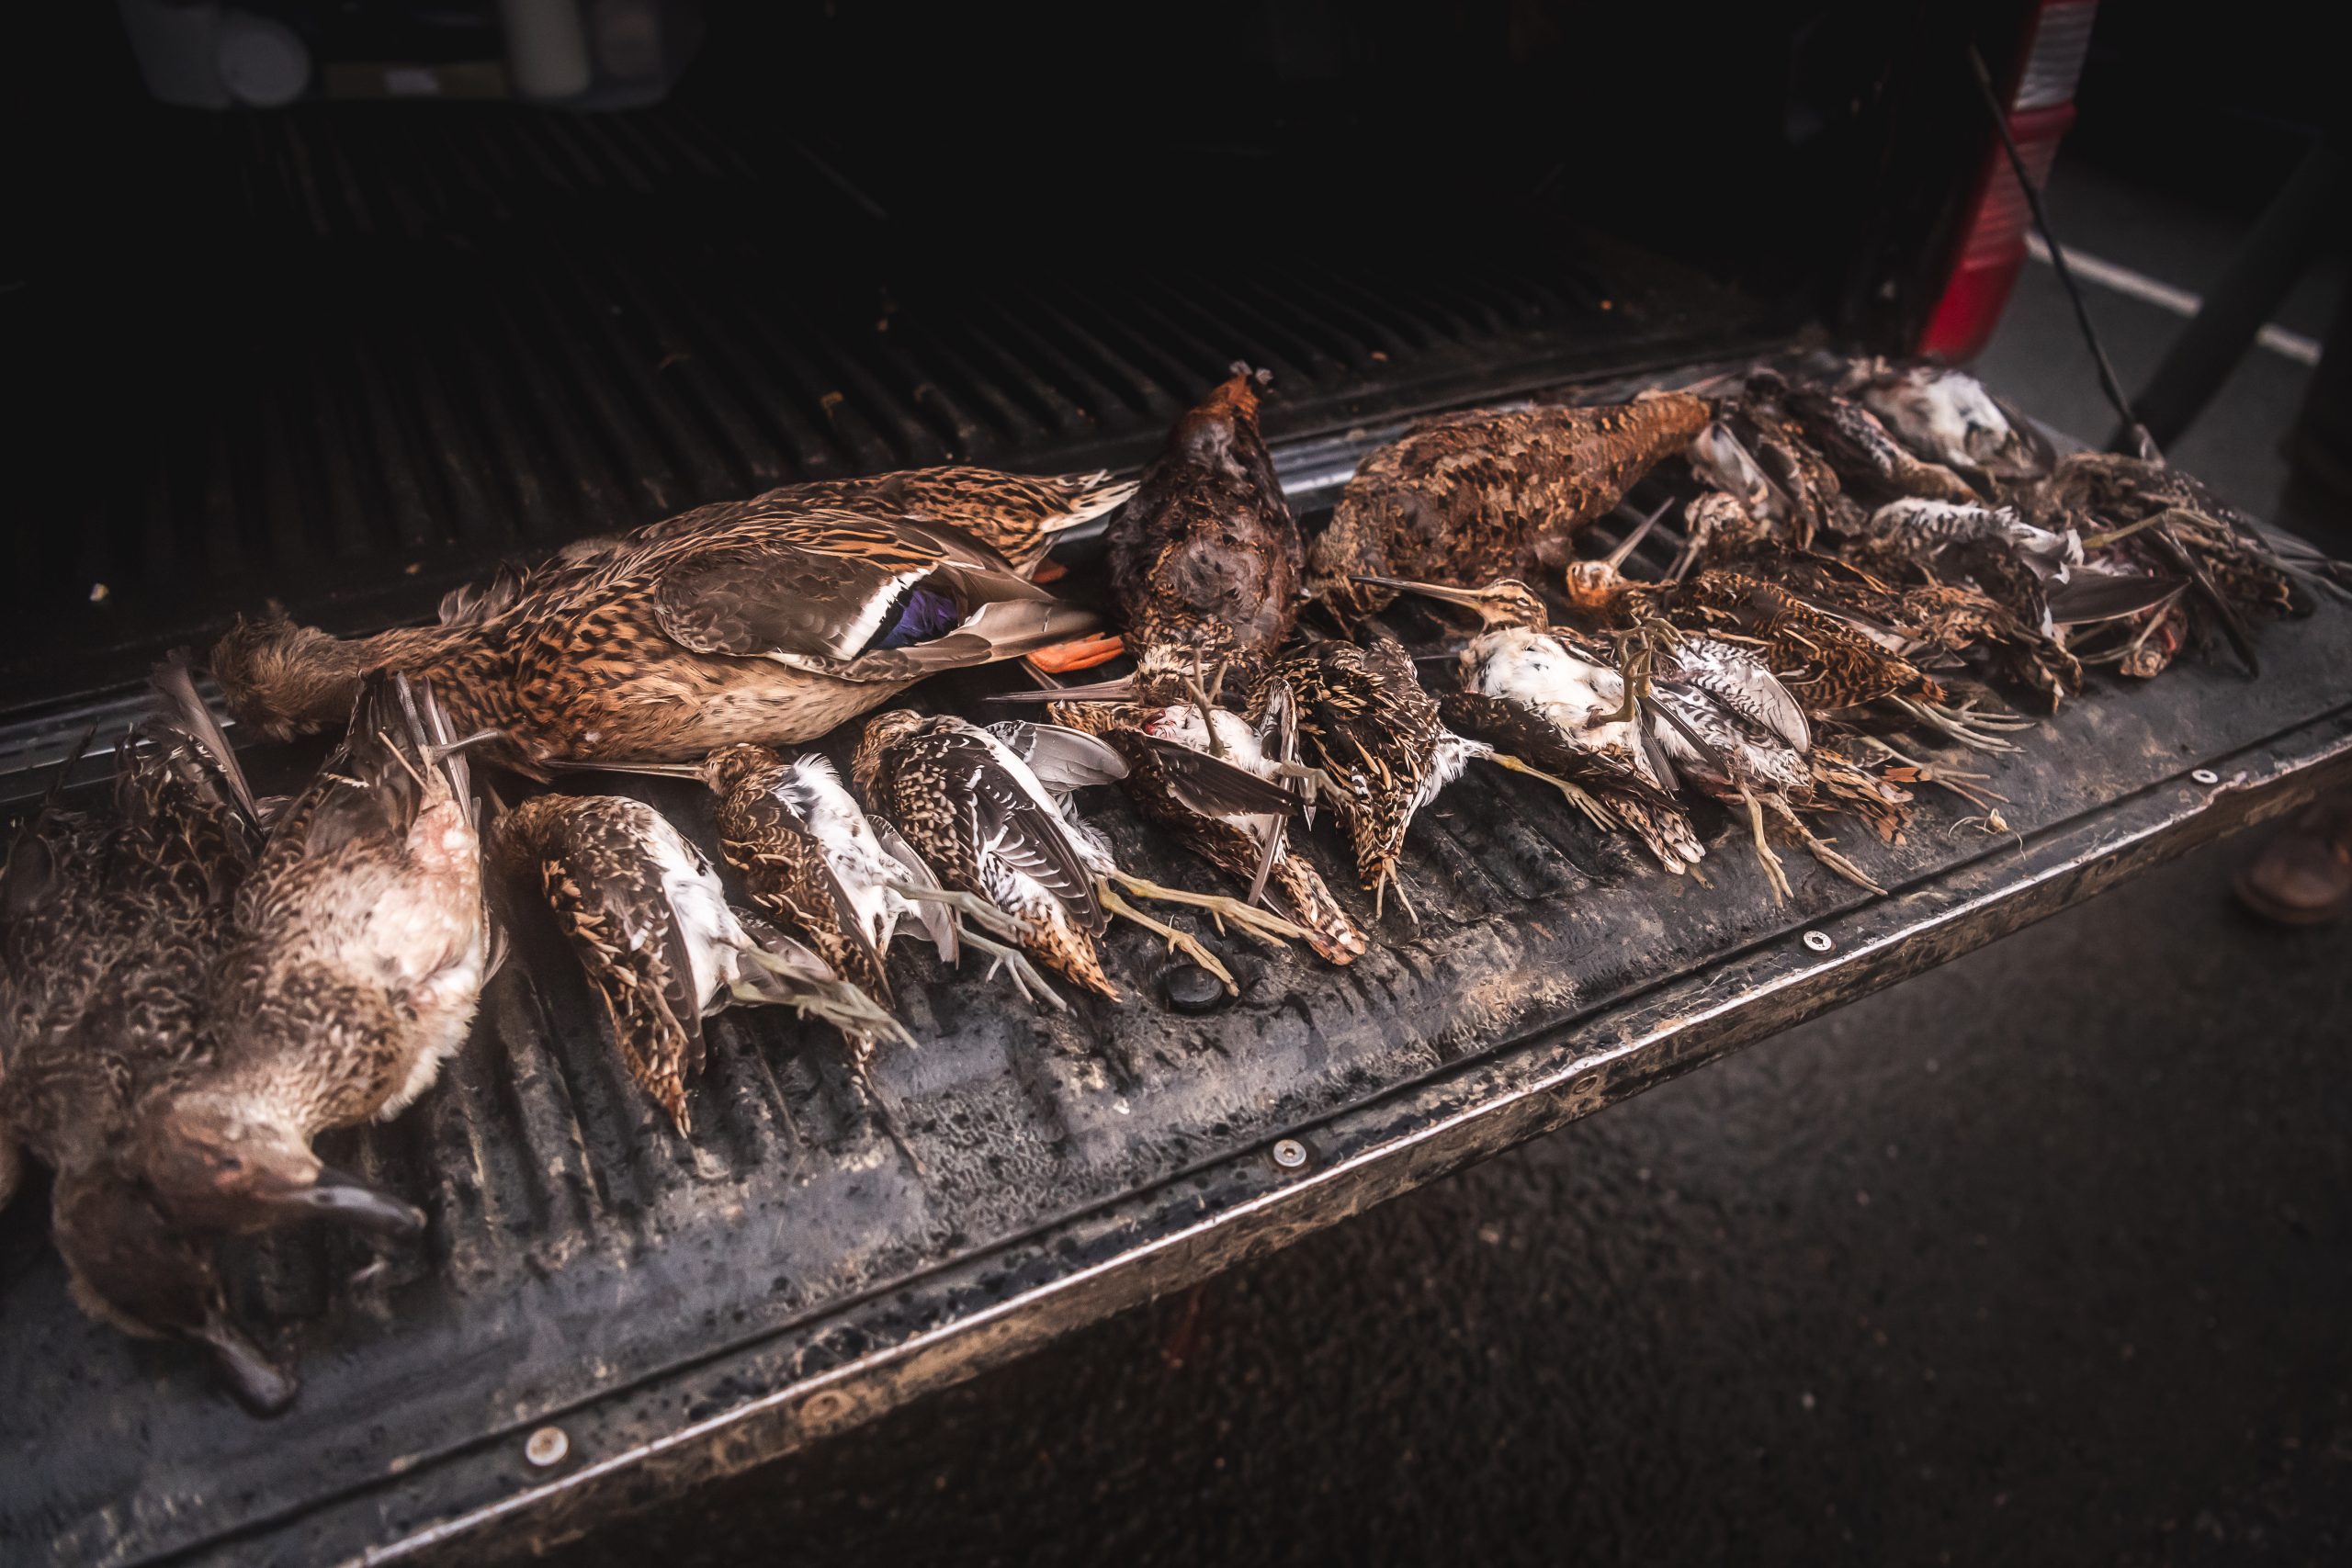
[(1079, 653)]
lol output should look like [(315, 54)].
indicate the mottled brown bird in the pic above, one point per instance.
[(749, 621), (1364, 719), (811, 858), (984, 824), (1205, 562), (648, 918), (2142, 518), (110, 928), (1466, 498), (357, 954)]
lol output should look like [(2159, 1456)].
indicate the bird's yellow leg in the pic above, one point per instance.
[(1578, 797), (1178, 941), (1254, 921), (1778, 878)]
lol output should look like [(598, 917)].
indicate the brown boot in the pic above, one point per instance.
[(2304, 877)]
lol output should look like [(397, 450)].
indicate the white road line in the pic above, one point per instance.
[(2165, 297)]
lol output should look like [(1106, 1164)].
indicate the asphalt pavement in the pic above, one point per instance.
[(2045, 1257)]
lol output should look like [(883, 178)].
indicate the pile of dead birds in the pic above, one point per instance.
[(1878, 560)]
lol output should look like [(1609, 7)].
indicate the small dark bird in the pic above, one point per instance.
[(1206, 561), (750, 621), (354, 959), (1466, 498), (110, 929), (648, 917)]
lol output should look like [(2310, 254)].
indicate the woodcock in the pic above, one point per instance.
[(752, 621), (648, 918), (110, 929), (1466, 498)]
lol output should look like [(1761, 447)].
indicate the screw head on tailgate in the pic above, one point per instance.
[(546, 1446), (2205, 776), (1818, 941), (1290, 1154)]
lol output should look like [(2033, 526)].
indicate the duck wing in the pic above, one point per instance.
[(818, 588)]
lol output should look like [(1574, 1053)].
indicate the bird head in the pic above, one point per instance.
[(1506, 602), (213, 1164), (285, 678), (882, 731), (729, 767), (133, 1266)]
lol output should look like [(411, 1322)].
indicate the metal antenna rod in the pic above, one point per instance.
[(2109, 381)]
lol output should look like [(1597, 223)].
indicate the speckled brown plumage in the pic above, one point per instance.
[(982, 829), (1470, 497), (647, 917), (1015, 515), (357, 952), (1206, 561), (1829, 663), (1365, 720), (751, 621), (2185, 529), (784, 867), (109, 931)]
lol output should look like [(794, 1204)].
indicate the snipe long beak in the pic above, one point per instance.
[(1615, 560), (1445, 593)]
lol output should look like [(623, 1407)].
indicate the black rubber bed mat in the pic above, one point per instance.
[(673, 1309)]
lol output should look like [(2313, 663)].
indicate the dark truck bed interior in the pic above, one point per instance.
[(383, 346)]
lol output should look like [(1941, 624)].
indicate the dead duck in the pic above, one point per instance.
[(751, 621), (355, 956), (1017, 515), (1556, 699), (646, 915), (1366, 722), (1466, 498), (110, 929)]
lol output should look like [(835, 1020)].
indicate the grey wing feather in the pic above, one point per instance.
[(1063, 758), (1216, 787)]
